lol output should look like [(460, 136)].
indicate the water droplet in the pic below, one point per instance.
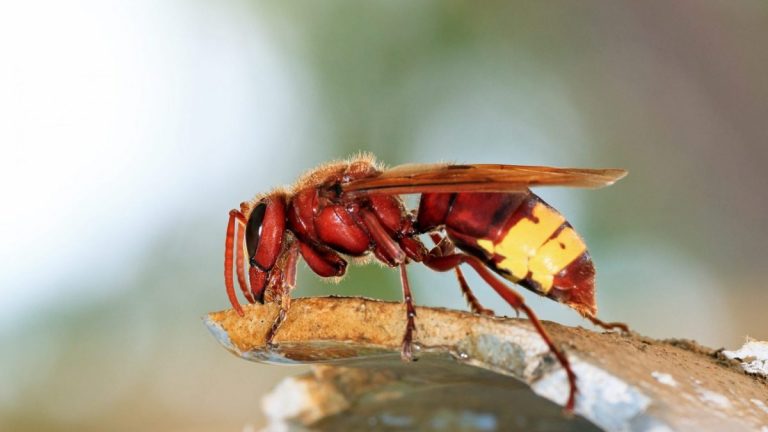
[(463, 356)]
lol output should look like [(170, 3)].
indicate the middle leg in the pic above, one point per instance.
[(406, 349), (473, 302), (390, 252)]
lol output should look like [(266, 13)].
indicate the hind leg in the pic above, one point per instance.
[(406, 349), (608, 325), (448, 262)]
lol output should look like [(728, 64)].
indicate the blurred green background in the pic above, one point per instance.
[(129, 129)]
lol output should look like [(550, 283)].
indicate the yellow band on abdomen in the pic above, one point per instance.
[(527, 247)]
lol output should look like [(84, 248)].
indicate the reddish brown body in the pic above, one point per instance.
[(352, 209)]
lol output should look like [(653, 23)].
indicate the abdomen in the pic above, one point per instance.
[(523, 239)]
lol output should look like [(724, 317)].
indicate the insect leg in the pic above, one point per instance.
[(445, 247), (385, 245), (281, 285), (442, 244), (278, 292), (406, 350), (391, 251), (445, 263), (258, 279), (322, 260), (474, 304), (608, 325)]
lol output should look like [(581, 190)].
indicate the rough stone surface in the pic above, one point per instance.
[(479, 373), (753, 356)]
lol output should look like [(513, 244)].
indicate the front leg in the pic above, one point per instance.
[(285, 304), (282, 279)]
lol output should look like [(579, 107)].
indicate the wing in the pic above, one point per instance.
[(407, 179)]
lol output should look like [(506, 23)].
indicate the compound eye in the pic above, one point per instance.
[(253, 229)]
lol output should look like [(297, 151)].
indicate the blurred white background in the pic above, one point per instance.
[(120, 118)]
